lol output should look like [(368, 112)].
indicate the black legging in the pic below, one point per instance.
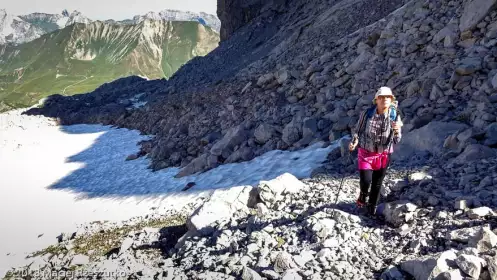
[(371, 179)]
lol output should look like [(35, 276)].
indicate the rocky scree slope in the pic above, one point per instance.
[(312, 83), (435, 223)]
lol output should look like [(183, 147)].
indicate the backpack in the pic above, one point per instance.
[(371, 111)]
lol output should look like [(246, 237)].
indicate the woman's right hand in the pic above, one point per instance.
[(352, 145)]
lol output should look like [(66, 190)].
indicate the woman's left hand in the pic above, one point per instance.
[(396, 126)]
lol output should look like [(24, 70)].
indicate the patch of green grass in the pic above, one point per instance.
[(281, 242), (98, 244), (52, 250)]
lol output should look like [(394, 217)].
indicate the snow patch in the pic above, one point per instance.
[(136, 103), (139, 104), (144, 77), (6, 21), (62, 22), (78, 174)]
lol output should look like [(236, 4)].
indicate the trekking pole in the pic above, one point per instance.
[(391, 137), (341, 185)]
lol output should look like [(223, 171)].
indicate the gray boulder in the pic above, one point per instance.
[(125, 245), (322, 228), (221, 205), (480, 212), (309, 127), (430, 137), (242, 154), (283, 262), (474, 11), (469, 133), (249, 274), (273, 190), (469, 65), (282, 76), (430, 267), (303, 258), (492, 267), (448, 31), (211, 138), (392, 273), (491, 135), (263, 133), (484, 240), (453, 274), (471, 265), (493, 81), (209, 275), (198, 165), (235, 136), (80, 260), (265, 79), (358, 64), (474, 152), (291, 274), (394, 212), (463, 234), (292, 132)]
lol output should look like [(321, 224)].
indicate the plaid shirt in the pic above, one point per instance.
[(373, 133)]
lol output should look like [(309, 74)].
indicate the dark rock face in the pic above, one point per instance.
[(236, 13)]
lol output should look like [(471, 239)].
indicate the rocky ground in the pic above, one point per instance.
[(305, 79), (436, 220)]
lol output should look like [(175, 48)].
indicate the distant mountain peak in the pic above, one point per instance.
[(177, 15), (77, 17), (24, 28)]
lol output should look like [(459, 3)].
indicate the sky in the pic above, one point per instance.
[(107, 9)]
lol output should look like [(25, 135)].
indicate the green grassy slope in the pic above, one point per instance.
[(81, 57)]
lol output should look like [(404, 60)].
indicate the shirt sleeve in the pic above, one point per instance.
[(357, 128)]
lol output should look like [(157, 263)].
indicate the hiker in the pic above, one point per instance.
[(377, 128)]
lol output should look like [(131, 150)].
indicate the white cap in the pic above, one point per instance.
[(383, 91)]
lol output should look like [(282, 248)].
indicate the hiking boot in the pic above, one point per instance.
[(372, 209), (361, 201)]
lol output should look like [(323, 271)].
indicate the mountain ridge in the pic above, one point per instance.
[(81, 57), (25, 28)]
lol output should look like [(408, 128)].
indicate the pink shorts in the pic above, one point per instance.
[(371, 161)]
